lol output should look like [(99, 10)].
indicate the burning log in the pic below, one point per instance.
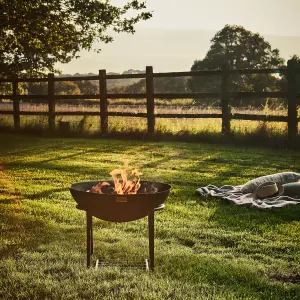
[(122, 184)]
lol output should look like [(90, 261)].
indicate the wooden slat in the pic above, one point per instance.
[(126, 96), (150, 100), (185, 95), (225, 98), (103, 101), (6, 96), (189, 73), (5, 79), (39, 79), (16, 102), (125, 76), (189, 116), (94, 113), (6, 112), (63, 97), (258, 71), (237, 116), (292, 101), (21, 97), (127, 114), (51, 102), (77, 113), (34, 113), (77, 78), (259, 94)]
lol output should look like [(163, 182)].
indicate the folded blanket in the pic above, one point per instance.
[(236, 194)]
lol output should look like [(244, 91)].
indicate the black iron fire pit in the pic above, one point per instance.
[(120, 208)]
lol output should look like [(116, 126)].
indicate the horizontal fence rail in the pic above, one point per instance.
[(155, 95), (224, 94)]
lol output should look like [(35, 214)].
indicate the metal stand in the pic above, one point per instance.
[(89, 239), (151, 239), (90, 246)]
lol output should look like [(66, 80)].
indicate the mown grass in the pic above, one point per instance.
[(205, 249)]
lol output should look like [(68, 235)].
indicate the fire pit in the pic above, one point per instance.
[(113, 207)]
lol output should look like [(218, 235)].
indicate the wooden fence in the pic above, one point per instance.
[(225, 72)]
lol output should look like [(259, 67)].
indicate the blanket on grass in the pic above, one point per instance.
[(244, 194)]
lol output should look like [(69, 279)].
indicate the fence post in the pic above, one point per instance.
[(16, 103), (292, 101), (225, 98), (150, 99), (103, 101), (51, 101)]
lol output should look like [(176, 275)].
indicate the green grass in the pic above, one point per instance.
[(205, 248)]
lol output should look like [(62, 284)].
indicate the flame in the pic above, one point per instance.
[(125, 182), (124, 185)]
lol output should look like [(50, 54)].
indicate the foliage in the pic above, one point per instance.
[(241, 49), (171, 85), (161, 85), (66, 88), (37, 88), (5, 88), (61, 88), (204, 248), (37, 34), (88, 87)]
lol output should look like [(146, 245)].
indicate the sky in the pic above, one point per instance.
[(180, 32)]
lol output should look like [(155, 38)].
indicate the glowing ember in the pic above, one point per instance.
[(125, 183)]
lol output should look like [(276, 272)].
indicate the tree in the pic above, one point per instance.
[(242, 49), (37, 88), (88, 87), (161, 85), (67, 88), (37, 34)]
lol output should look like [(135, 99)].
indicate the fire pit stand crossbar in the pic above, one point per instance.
[(149, 263)]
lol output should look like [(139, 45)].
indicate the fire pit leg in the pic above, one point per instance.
[(151, 238), (89, 238), (92, 237)]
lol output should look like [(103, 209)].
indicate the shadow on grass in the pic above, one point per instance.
[(23, 230), (242, 218), (44, 194), (243, 280)]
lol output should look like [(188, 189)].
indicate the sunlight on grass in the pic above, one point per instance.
[(188, 126), (205, 249)]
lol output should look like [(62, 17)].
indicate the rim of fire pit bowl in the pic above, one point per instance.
[(115, 207)]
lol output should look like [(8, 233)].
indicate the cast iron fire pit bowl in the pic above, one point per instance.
[(120, 208)]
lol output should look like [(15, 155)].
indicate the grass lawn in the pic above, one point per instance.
[(205, 249)]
